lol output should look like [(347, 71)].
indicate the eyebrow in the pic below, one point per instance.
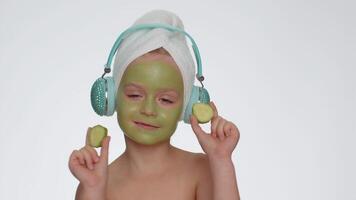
[(134, 85), (143, 88)]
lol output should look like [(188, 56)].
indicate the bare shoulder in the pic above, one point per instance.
[(196, 161), (201, 172), (199, 169), (202, 167)]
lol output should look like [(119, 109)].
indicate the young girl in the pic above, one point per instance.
[(150, 101)]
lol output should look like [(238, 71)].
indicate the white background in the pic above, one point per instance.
[(283, 71)]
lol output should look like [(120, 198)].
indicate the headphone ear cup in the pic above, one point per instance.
[(97, 96), (102, 96), (194, 98)]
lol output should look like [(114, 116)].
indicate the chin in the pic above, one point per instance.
[(144, 141)]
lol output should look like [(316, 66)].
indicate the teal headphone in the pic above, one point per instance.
[(103, 90)]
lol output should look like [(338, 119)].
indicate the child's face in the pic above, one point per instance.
[(150, 92)]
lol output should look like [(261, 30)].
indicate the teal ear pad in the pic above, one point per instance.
[(198, 94), (103, 96)]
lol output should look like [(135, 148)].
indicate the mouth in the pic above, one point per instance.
[(145, 125)]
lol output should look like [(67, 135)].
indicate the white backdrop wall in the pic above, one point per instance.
[(282, 70)]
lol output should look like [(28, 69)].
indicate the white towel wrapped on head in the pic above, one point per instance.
[(144, 41)]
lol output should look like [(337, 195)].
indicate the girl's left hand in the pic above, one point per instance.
[(223, 138)]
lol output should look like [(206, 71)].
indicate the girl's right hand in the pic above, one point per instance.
[(89, 168)]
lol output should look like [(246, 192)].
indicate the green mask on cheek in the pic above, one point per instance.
[(150, 101)]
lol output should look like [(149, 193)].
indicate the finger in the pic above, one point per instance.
[(80, 157), (235, 131), (87, 137), (199, 132), (76, 162), (213, 127), (104, 151), (76, 158), (234, 135), (87, 158), (93, 153), (227, 129), (214, 135), (215, 110), (220, 129)]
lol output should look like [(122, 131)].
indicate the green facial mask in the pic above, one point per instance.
[(150, 101)]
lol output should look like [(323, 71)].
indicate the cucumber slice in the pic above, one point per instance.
[(96, 135), (203, 112)]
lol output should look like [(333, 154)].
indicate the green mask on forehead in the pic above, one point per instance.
[(150, 101)]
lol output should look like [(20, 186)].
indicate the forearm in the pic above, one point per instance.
[(87, 193), (224, 179)]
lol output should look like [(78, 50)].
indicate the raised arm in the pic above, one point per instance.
[(218, 145), (91, 170)]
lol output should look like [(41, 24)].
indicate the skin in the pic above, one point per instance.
[(151, 92)]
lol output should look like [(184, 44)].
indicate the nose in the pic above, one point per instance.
[(149, 107)]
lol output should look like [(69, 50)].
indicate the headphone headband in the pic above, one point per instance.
[(135, 28)]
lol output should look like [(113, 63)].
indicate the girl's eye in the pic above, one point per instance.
[(134, 96), (166, 101)]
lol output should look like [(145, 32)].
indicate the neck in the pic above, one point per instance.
[(147, 159)]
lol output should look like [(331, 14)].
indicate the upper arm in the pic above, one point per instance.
[(204, 189)]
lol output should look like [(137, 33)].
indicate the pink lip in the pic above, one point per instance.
[(145, 125)]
